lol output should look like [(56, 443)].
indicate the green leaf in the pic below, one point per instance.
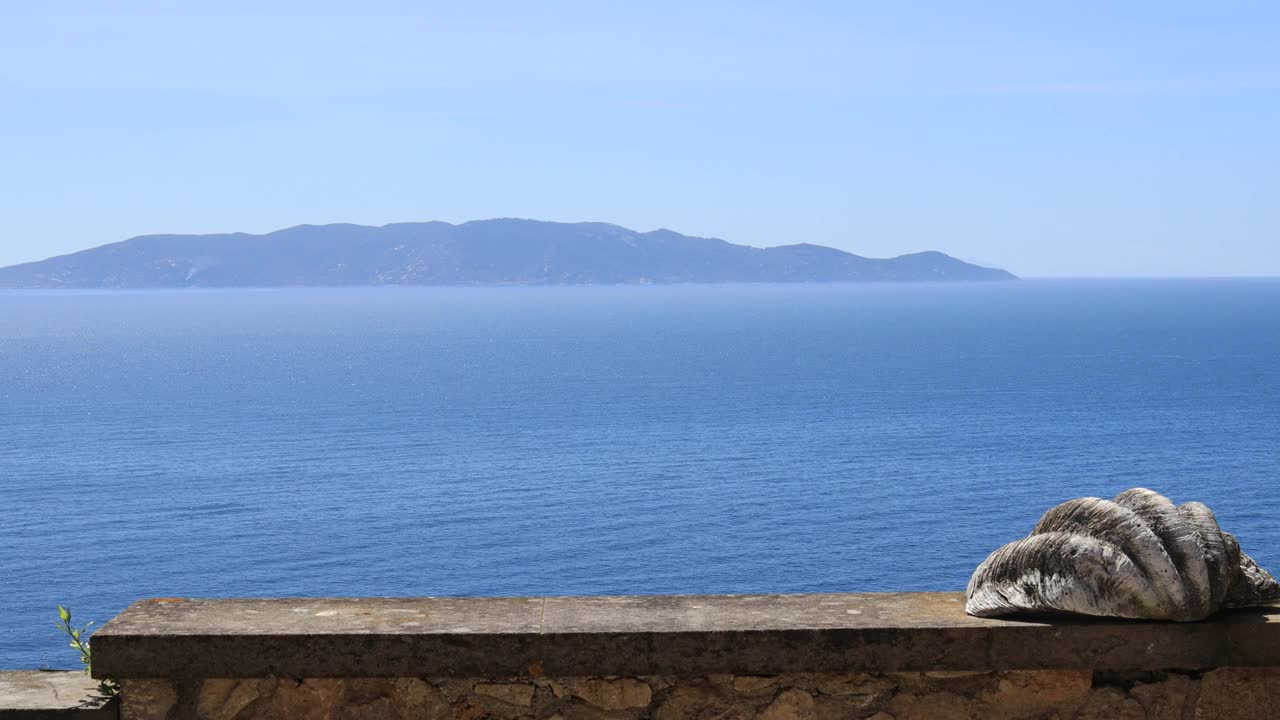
[(64, 613)]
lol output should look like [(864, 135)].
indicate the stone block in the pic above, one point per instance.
[(1165, 699), (147, 699), (1033, 694), (700, 702), (748, 684), (416, 699), (1239, 694), (935, 706), (510, 693), (1108, 703), (226, 699), (853, 684), (614, 693), (790, 704), (314, 699)]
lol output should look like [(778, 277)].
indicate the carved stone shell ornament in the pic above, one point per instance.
[(1138, 556)]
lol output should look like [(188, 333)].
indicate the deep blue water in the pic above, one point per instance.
[(469, 441)]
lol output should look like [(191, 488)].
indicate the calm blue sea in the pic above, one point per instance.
[(689, 439)]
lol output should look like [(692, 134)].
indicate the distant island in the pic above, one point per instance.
[(482, 252)]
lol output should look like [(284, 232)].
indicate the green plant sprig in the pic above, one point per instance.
[(80, 642)]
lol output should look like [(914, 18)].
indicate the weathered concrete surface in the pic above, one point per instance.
[(41, 695), (746, 635), (1223, 694)]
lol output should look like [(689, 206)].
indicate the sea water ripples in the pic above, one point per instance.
[(491, 441)]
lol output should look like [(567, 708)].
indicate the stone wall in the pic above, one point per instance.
[(1222, 694), (892, 656)]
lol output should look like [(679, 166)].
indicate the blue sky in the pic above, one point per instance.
[(1048, 138)]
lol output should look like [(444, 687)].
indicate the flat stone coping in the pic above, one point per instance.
[(566, 636), (49, 695)]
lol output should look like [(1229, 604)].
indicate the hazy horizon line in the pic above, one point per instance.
[(509, 286)]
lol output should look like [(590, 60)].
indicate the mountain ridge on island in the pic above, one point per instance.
[(481, 252)]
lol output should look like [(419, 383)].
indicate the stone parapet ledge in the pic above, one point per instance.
[(52, 695), (893, 656), (688, 636)]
